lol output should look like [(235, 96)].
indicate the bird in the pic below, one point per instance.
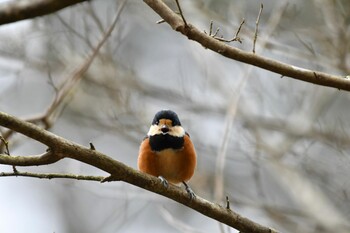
[(167, 151)]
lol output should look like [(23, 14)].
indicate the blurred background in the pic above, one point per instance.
[(278, 148)]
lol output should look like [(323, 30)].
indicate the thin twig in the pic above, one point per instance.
[(160, 21), (227, 203), (239, 29), (74, 32), (234, 38), (68, 85), (7, 151), (211, 30), (63, 91), (92, 147), (220, 162), (52, 176), (211, 27), (257, 26), (180, 11), (92, 12), (216, 33)]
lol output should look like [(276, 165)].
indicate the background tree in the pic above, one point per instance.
[(277, 147)]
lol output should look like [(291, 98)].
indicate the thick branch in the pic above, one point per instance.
[(120, 171), (176, 22), (20, 10)]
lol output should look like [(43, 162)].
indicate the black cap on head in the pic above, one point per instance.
[(166, 114)]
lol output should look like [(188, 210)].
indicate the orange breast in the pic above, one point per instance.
[(174, 165)]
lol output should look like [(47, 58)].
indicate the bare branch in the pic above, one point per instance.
[(65, 88), (257, 27), (234, 38), (52, 176), (19, 10), (34, 160), (176, 22), (7, 150), (74, 32), (61, 147), (71, 82), (180, 12)]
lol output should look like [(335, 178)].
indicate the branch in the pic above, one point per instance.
[(180, 12), (65, 88), (62, 148), (234, 38), (33, 160), (257, 27), (20, 10), (315, 77), (7, 150), (67, 85), (52, 176)]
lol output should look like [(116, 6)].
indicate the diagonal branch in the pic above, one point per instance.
[(66, 87), (284, 69), (19, 10), (119, 171)]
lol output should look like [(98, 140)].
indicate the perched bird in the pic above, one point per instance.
[(167, 151)]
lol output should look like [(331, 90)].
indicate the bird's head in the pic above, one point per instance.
[(166, 122)]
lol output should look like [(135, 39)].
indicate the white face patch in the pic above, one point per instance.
[(176, 131), (153, 130)]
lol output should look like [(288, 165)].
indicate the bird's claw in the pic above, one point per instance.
[(189, 191), (163, 181)]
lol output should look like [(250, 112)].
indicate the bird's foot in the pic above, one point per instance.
[(189, 191), (163, 181)]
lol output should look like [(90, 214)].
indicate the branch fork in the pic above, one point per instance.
[(221, 38)]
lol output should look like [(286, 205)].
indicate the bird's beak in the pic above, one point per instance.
[(164, 129)]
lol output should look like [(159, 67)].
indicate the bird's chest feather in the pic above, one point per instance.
[(171, 159), (168, 156), (168, 151), (170, 162)]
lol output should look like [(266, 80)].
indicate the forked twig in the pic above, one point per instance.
[(220, 38), (7, 151)]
